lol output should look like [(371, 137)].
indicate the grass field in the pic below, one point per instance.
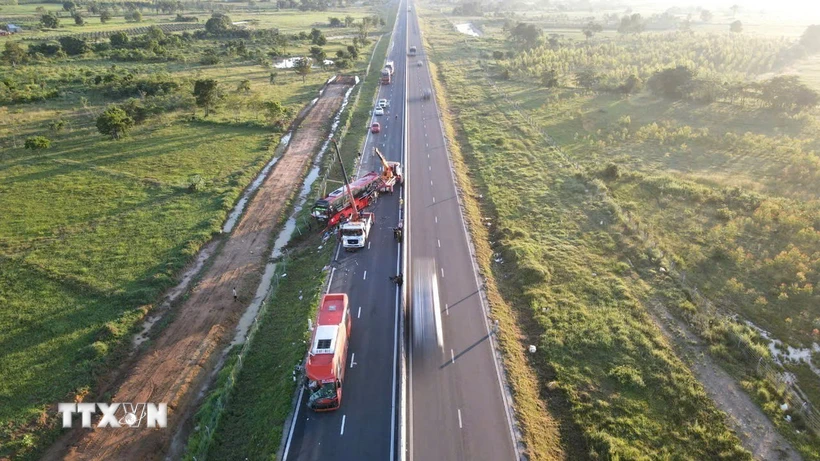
[(579, 291), (261, 16), (94, 229), (254, 421)]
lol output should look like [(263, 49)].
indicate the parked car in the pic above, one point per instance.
[(378, 111), (375, 127)]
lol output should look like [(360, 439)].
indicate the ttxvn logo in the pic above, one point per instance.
[(116, 414)]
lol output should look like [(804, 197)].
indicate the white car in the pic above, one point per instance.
[(383, 103), (378, 111)]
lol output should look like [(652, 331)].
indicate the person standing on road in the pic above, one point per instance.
[(235, 298)]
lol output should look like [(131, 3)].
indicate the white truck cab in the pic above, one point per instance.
[(355, 233)]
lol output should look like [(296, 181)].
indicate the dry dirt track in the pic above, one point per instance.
[(184, 354)]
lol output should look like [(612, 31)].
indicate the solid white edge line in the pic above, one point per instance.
[(404, 424), (508, 408), (333, 271), (293, 422), (330, 280)]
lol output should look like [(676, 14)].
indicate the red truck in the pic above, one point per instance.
[(327, 360), (387, 73)]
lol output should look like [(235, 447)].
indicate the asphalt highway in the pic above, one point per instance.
[(366, 426), (456, 408)]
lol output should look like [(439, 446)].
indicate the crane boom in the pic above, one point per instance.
[(355, 215), (387, 171)]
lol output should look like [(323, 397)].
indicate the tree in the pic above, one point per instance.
[(353, 52), (78, 19), (244, 86), (633, 24), (74, 46), (273, 76), (788, 93), (498, 55), (316, 36), (114, 122), (529, 34), (549, 78), (218, 24), (673, 82), (118, 39), (133, 16), (105, 16), (302, 67), (13, 53), (811, 38), (736, 26), (735, 9), (586, 78), (335, 22), (706, 16), (207, 94), (318, 54), (632, 84), (349, 20), (37, 143), (69, 5), (363, 31), (591, 29), (274, 111), (50, 21)]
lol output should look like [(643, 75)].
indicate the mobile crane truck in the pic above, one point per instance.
[(355, 231), (391, 173)]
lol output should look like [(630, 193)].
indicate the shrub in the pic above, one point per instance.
[(37, 143), (114, 122), (627, 376)]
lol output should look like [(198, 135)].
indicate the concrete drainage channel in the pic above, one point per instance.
[(248, 323)]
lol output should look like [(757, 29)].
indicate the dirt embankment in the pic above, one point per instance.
[(185, 353), (753, 427)]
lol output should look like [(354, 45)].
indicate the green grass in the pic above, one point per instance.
[(262, 398), (94, 230), (726, 191), (571, 290), (254, 420)]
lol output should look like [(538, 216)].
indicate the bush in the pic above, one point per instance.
[(133, 16), (74, 46), (46, 48), (37, 143), (114, 122)]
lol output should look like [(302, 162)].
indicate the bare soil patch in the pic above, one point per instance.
[(186, 351), (753, 427)]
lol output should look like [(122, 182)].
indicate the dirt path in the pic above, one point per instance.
[(756, 432), (184, 353)]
